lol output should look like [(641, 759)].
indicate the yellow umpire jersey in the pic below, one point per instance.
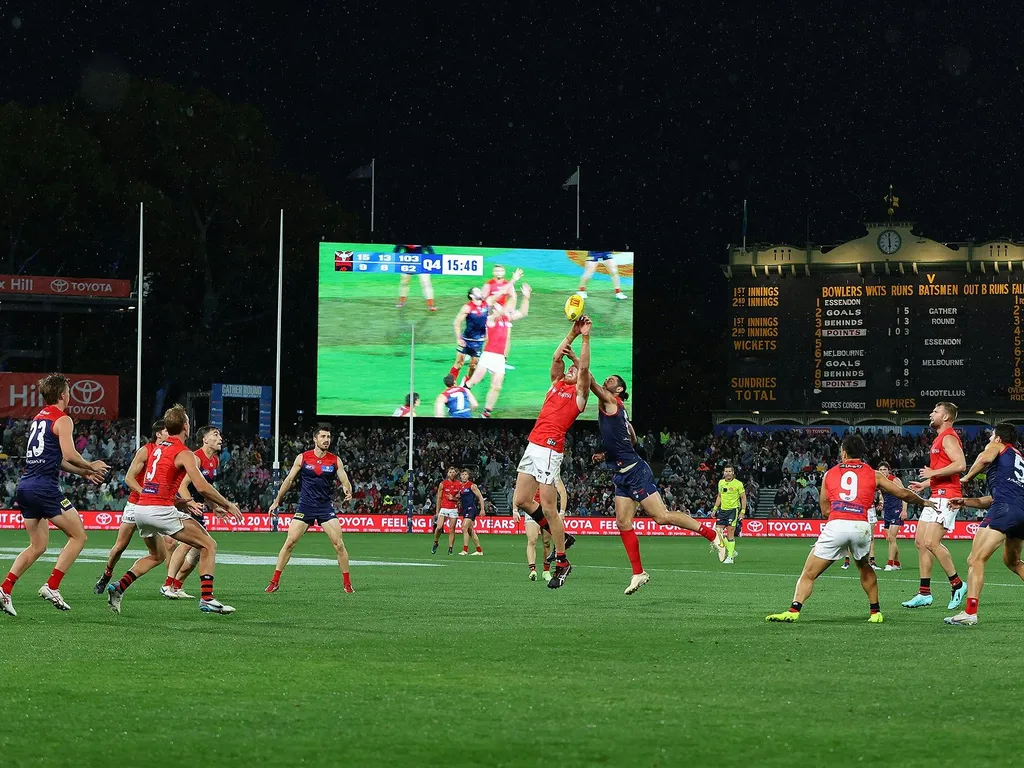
[(730, 491)]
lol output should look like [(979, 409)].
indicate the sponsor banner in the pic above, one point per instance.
[(93, 396), (94, 287), (594, 526), (839, 430)]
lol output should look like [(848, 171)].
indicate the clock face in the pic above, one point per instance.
[(889, 241)]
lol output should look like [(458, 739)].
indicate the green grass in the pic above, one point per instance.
[(363, 341), (471, 664)]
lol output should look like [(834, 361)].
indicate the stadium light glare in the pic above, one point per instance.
[(895, 413)]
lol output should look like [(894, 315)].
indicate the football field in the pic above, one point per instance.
[(443, 661)]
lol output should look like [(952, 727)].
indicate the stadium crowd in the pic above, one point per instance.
[(791, 462)]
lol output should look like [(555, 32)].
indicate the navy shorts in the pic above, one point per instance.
[(201, 519), (471, 514), (317, 517), (1006, 519), (636, 483), (600, 255), (889, 521), (42, 503), (471, 348)]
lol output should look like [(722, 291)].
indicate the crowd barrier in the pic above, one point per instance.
[(595, 526)]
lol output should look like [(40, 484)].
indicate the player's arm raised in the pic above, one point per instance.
[(287, 484), (986, 457), (605, 400), (188, 461), (563, 350), (900, 492), (583, 377), (343, 479), (64, 429), (439, 402), (135, 469)]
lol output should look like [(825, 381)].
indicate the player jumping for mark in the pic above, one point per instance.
[(470, 332), (497, 346)]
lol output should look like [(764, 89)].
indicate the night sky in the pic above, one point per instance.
[(476, 114)]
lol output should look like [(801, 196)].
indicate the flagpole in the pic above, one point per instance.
[(277, 374), (577, 203), (412, 404), (744, 226), (138, 349), (373, 189)]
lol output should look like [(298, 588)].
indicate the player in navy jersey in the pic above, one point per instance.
[(471, 505), (634, 481), (50, 449), (425, 284), (321, 472), (457, 402), (470, 332), (1004, 521), (894, 513)]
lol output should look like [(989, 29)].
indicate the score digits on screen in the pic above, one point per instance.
[(408, 263)]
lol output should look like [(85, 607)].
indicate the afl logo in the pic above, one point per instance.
[(87, 391), (59, 285), (755, 526), (104, 518), (972, 528)]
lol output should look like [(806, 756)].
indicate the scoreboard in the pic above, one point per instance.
[(405, 263), (900, 342)]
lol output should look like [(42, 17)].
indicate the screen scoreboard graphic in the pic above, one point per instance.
[(894, 343), (371, 296)]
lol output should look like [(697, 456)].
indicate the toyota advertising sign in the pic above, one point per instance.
[(93, 396), (39, 285)]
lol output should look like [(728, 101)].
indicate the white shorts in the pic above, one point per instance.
[(128, 516), (838, 536), (945, 515), (159, 521), (543, 463), (449, 514), (872, 516), (492, 361)]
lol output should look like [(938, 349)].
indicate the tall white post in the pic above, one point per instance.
[(577, 202), (277, 374), (412, 403), (138, 349), (373, 189)]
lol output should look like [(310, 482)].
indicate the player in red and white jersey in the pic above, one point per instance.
[(497, 346), (502, 291), (542, 460), (447, 508), (182, 560), (942, 478), (412, 402), (847, 493), (127, 528), (159, 513)]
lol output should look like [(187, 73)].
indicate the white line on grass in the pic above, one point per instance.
[(224, 558)]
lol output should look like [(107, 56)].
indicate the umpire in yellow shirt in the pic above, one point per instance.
[(730, 508)]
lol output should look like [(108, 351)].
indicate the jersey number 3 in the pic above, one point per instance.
[(152, 470)]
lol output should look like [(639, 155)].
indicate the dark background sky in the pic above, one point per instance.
[(476, 114)]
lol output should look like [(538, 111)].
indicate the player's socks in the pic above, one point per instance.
[(871, 561), (560, 559), (795, 607), (449, 550), (925, 588), (730, 547), (176, 584), (533, 567), (466, 549), (346, 580), (955, 582), (897, 564), (55, 578), (169, 581), (487, 413), (582, 289), (108, 572), (277, 577), (9, 582), (632, 545), (454, 372), (206, 586), (846, 562), (972, 606), (430, 303), (890, 562), (126, 581), (708, 532), (547, 566), (875, 608), (480, 550)]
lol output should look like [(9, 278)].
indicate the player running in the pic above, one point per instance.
[(730, 508), (1004, 521), (634, 481), (497, 346), (320, 472), (470, 332), (457, 402), (127, 528), (542, 460), (447, 506), (50, 449), (158, 514), (847, 491), (183, 560), (533, 532), (608, 259), (943, 478), (412, 402), (471, 504), (425, 284), (894, 513)]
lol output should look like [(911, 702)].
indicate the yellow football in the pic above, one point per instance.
[(574, 308)]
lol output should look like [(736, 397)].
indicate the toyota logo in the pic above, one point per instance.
[(59, 285), (755, 526), (972, 528), (87, 391), (104, 518)]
